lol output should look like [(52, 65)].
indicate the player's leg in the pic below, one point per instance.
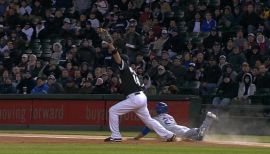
[(207, 123), (192, 134), (179, 130), (115, 111), (144, 115)]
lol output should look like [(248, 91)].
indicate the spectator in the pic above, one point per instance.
[(71, 87), (227, 18), (157, 14), (163, 78), (100, 87), (262, 79), (37, 8), (91, 34), (253, 55), (222, 61), (41, 87), (11, 51), (209, 41), (165, 59), (24, 63), (244, 69), (187, 59), (145, 15), (114, 85), (240, 40), (28, 31), (36, 70), (225, 93), (228, 71), (178, 70), (7, 87), (52, 68), (95, 23), (191, 78), (133, 40), (102, 6), (263, 44), (195, 24), (250, 19), (86, 86), (54, 86), (172, 89), (32, 62), (236, 58), (159, 43), (16, 81), (82, 5), (210, 78), (251, 40), (153, 68), (229, 47), (57, 52), (27, 84), (5, 75), (200, 63), (25, 8), (86, 53), (208, 23), (77, 77), (3, 6), (40, 32), (75, 29), (216, 51), (246, 89), (175, 43)]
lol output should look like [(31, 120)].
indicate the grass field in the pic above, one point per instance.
[(135, 147), (123, 149)]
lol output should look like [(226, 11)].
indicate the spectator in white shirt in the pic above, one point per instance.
[(94, 21), (28, 31), (24, 9)]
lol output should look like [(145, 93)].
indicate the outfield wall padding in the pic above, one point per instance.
[(84, 110)]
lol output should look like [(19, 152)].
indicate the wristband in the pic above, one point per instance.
[(114, 51)]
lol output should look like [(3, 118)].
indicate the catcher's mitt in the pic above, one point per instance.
[(104, 35)]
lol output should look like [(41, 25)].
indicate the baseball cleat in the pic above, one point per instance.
[(172, 139), (212, 115), (110, 139)]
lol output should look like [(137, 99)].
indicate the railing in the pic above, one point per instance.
[(253, 118)]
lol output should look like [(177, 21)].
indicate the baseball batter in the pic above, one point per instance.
[(135, 101), (183, 132)]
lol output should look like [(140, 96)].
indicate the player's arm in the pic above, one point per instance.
[(144, 132), (116, 56)]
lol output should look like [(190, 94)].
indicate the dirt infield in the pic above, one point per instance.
[(84, 139)]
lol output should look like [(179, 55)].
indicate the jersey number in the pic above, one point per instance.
[(167, 121), (135, 77)]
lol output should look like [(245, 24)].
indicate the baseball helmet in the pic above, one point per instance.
[(161, 107)]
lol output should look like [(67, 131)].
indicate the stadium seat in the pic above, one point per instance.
[(28, 51), (262, 91), (213, 3), (203, 34)]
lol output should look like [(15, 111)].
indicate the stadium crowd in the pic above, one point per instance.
[(201, 47)]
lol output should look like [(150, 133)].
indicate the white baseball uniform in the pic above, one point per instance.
[(135, 101)]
